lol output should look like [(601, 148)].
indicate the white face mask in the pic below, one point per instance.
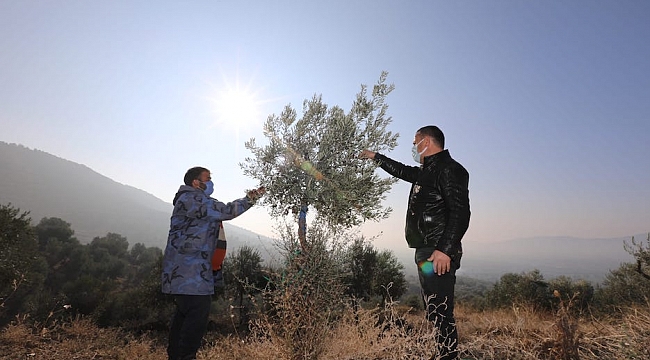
[(417, 154)]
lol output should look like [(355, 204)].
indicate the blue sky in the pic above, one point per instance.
[(546, 103)]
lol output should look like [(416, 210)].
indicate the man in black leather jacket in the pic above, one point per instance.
[(436, 220)]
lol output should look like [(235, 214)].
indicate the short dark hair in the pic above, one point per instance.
[(193, 174), (434, 132)]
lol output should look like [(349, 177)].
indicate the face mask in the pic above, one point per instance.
[(416, 154), (209, 187)]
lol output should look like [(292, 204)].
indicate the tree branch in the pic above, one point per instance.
[(640, 271)]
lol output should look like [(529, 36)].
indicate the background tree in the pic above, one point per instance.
[(311, 162), (361, 263), (389, 279), (47, 274), (142, 260), (134, 300), (21, 266), (623, 286), (580, 293), (66, 260), (641, 253), (109, 256), (53, 230), (372, 273), (244, 278), (630, 283), (58, 245), (520, 289)]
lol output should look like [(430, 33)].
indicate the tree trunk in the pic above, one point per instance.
[(302, 228)]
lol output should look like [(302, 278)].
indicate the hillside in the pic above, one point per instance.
[(49, 186)]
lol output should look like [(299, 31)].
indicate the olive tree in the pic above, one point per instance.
[(312, 162), (641, 253)]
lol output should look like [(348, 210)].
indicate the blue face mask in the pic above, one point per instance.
[(209, 187)]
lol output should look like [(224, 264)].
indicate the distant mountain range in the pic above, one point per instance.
[(588, 259), (49, 186), (94, 205)]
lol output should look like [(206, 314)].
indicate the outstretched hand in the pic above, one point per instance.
[(367, 154), (256, 193)]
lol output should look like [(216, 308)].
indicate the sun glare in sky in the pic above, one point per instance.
[(236, 107)]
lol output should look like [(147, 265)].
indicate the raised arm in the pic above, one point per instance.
[(394, 168)]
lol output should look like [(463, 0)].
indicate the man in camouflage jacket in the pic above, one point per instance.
[(187, 269)]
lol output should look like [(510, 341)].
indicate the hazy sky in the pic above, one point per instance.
[(546, 103)]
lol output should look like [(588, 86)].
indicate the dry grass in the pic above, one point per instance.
[(516, 333), (520, 333), (79, 339)]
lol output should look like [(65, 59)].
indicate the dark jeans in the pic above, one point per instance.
[(438, 297), (188, 326)]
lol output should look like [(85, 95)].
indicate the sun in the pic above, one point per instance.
[(236, 106)]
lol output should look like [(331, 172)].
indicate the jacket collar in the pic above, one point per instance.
[(434, 159)]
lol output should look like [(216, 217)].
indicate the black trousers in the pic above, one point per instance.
[(188, 326), (438, 298)]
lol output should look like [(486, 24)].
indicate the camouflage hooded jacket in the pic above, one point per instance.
[(193, 233)]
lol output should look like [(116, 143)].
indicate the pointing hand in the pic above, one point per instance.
[(367, 154)]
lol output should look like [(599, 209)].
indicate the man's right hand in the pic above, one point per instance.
[(256, 193), (367, 154)]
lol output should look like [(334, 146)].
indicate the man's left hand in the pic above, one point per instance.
[(441, 262)]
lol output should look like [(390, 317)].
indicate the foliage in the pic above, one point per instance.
[(313, 161), (108, 256), (641, 254), (530, 289), (389, 280), (413, 301), (471, 292), (623, 286), (361, 261), (65, 258), (21, 266), (629, 284), (369, 273), (521, 289), (51, 230), (63, 252), (579, 294), (244, 278), (57, 277)]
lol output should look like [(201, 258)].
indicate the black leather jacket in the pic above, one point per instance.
[(438, 209)]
